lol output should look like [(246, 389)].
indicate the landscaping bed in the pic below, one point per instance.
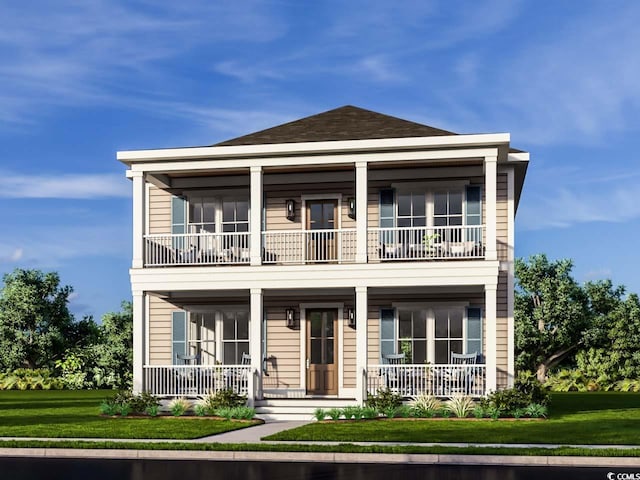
[(574, 419)]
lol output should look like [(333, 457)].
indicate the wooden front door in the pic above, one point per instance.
[(322, 352), (321, 222)]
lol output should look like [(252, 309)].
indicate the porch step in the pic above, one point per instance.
[(297, 409)]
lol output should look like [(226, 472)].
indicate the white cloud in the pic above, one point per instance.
[(379, 69), (574, 82), (69, 186), (51, 246), (565, 207), (16, 255)]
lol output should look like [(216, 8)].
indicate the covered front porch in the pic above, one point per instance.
[(342, 343)]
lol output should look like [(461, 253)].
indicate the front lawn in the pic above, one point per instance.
[(75, 414), (575, 419)]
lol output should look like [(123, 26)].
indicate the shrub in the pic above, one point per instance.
[(506, 400), (390, 411), (358, 412), (200, 410), (478, 412), (225, 412), (179, 406), (350, 412), (494, 412), (404, 411), (335, 413), (226, 398), (320, 414), (628, 385), (124, 409), (109, 408), (384, 400), (30, 379), (567, 380), (518, 412), (152, 410), (142, 402), (73, 375), (527, 384), (535, 410), (370, 413), (425, 405), (461, 406), (243, 413), (445, 412)]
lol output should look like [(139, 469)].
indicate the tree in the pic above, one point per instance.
[(114, 353), (551, 313), (36, 326)]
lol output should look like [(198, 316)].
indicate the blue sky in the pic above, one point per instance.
[(82, 79)]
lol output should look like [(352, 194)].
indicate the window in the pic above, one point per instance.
[(235, 336), (235, 215), (430, 334), (202, 215), (213, 336), (411, 210), (412, 335), (448, 333), (202, 338)]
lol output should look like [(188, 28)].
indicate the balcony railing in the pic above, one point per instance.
[(197, 249), (195, 380), (309, 246), (425, 243), (436, 380)]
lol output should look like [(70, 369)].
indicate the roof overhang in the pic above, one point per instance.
[(500, 140)]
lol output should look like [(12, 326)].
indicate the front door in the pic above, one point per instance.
[(321, 243), (322, 352)]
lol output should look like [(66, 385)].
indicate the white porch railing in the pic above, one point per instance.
[(437, 380), (195, 380), (309, 246), (196, 249), (425, 243)]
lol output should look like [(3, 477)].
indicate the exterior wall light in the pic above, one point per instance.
[(291, 209), (351, 317), (352, 207), (290, 317)]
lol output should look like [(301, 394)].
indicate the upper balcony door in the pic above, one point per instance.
[(321, 226)]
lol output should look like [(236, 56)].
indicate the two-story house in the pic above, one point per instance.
[(318, 261)]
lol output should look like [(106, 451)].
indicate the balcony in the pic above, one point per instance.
[(299, 247), (195, 380), (197, 249)]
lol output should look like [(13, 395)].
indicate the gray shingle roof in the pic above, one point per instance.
[(344, 123)]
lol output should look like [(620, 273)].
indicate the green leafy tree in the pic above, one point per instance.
[(551, 313), (114, 352), (36, 327)]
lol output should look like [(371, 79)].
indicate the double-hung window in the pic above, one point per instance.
[(215, 336), (430, 334)]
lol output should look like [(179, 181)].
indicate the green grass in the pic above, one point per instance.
[(576, 419), (68, 414), (341, 448)]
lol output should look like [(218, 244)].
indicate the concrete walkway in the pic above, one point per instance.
[(252, 434)]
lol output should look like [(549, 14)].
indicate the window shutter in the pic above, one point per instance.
[(387, 332), (473, 213), (474, 330), (178, 215), (179, 335), (387, 208)]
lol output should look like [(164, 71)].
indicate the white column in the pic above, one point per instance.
[(256, 216), (139, 214), (361, 212), (490, 182), (490, 311), (138, 340), (361, 343), (255, 346)]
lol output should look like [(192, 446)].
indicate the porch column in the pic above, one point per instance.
[(361, 344), (490, 310), (255, 347), (490, 182), (361, 212), (256, 216), (139, 217), (138, 340)]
